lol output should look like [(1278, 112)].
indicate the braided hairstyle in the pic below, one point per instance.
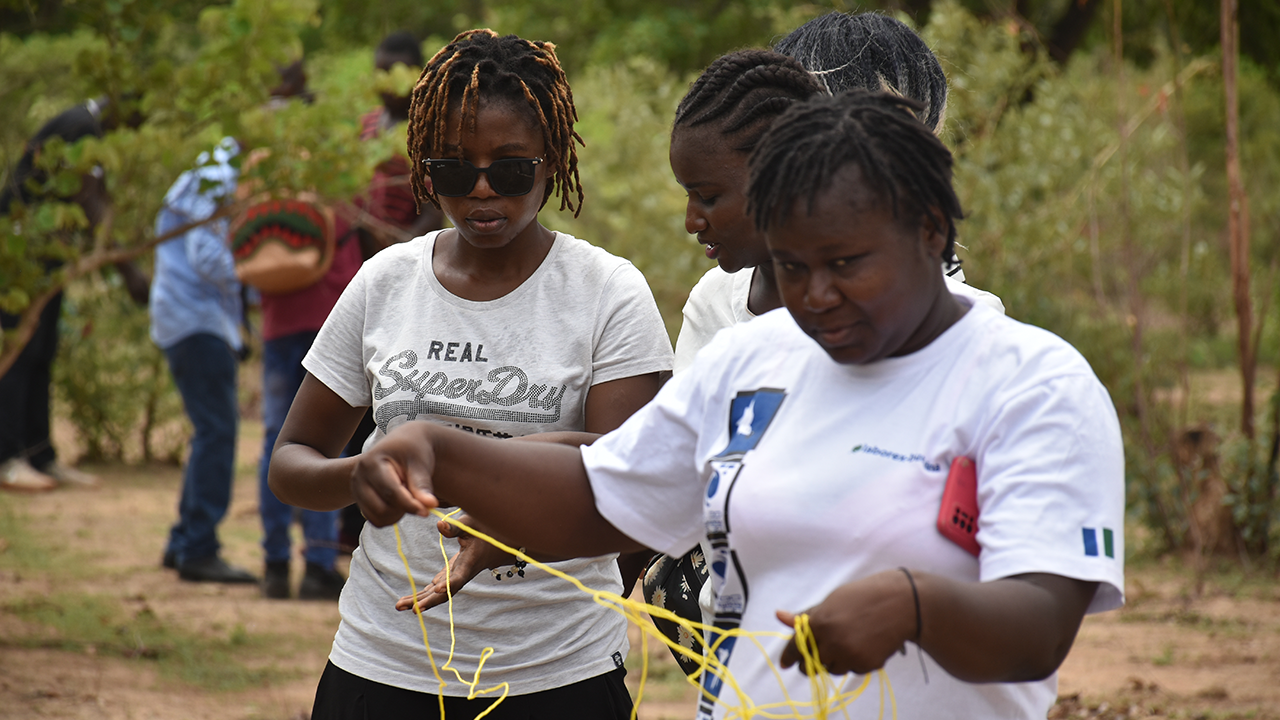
[(743, 92), (480, 63), (900, 158), (873, 52)]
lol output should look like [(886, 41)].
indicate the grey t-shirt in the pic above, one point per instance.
[(518, 365)]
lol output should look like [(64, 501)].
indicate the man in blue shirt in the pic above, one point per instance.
[(196, 310)]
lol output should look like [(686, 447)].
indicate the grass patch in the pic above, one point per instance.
[(103, 625), (20, 551), (231, 659), (1193, 620)]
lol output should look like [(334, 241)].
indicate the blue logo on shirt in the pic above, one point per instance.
[(749, 416)]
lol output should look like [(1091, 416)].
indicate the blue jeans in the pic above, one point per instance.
[(204, 369), (282, 375)]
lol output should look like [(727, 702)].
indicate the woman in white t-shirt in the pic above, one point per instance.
[(717, 125), (812, 446), (723, 116), (501, 328)]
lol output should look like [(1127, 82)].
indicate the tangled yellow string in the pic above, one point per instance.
[(828, 695)]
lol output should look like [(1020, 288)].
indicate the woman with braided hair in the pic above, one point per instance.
[(811, 447), (497, 327), (717, 125), (733, 103)]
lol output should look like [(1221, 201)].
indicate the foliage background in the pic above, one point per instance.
[(1095, 187)]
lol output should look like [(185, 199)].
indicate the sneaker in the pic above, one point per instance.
[(17, 475), (320, 583), (214, 569), (275, 580), (71, 476)]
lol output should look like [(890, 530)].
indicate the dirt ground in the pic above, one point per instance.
[(1170, 653)]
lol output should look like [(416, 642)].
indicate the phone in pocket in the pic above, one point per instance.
[(958, 516)]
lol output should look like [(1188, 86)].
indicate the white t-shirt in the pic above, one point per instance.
[(719, 300), (804, 474), (514, 366)]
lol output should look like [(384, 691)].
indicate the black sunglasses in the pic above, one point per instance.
[(510, 177)]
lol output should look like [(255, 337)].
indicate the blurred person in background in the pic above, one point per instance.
[(196, 313), (28, 461)]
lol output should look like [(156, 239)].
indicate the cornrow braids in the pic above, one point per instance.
[(900, 159), (479, 63), (742, 92), (872, 52)]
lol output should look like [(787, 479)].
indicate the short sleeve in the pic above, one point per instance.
[(1051, 487), (716, 302), (956, 287), (337, 356), (631, 338), (646, 476), (696, 328)]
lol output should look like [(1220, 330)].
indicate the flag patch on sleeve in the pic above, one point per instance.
[(1091, 542)]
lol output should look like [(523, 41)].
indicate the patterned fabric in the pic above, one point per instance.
[(673, 583)]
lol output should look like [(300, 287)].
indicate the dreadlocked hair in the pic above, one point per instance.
[(900, 159), (872, 52), (479, 63), (743, 92)]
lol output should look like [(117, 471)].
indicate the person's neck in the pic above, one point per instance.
[(481, 274), (763, 295), (945, 311)]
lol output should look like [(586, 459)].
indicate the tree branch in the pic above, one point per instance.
[(101, 255)]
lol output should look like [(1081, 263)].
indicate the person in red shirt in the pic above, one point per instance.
[(389, 199), (290, 322), (387, 212)]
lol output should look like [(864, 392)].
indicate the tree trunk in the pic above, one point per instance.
[(1070, 29), (1238, 215)]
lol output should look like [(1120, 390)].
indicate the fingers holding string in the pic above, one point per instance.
[(387, 489)]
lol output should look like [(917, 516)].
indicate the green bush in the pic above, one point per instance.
[(112, 382)]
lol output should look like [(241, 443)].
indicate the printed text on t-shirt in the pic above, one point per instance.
[(504, 387), (451, 353), (898, 457)]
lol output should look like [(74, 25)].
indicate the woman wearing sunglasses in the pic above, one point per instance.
[(501, 328)]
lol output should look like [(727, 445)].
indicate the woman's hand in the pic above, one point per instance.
[(1015, 629), (473, 557), (859, 625), (394, 477)]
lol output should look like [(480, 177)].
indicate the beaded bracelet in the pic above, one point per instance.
[(517, 568)]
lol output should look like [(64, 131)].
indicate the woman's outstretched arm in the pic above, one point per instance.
[(535, 494)]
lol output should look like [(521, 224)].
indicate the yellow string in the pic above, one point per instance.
[(472, 693), (828, 695)]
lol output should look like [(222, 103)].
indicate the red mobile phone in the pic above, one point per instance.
[(958, 516)]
